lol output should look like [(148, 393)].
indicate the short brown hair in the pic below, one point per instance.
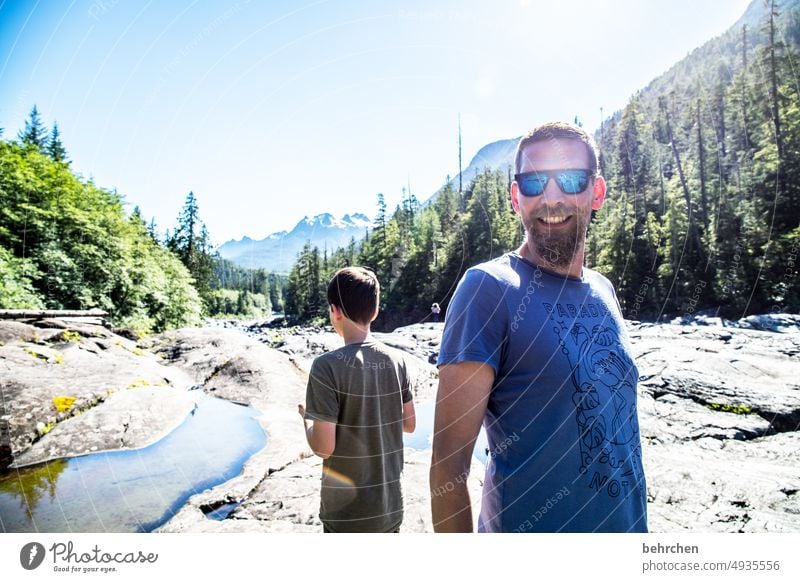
[(356, 291), (558, 130)]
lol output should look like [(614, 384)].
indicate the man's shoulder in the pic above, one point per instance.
[(597, 279), (503, 269), (497, 265)]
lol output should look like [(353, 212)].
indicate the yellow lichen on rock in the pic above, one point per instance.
[(63, 403)]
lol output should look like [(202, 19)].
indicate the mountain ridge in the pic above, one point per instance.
[(277, 251)]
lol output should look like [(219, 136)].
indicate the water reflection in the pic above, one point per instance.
[(422, 437), (130, 491)]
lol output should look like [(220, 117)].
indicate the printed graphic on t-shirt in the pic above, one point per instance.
[(604, 381)]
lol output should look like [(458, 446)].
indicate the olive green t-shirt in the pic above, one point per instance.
[(361, 387)]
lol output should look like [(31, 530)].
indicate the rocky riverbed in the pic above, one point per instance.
[(719, 413)]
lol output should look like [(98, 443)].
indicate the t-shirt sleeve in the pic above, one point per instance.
[(613, 292), (616, 302), (406, 382), (476, 322), (322, 398)]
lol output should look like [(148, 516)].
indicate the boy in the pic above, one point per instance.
[(359, 399)]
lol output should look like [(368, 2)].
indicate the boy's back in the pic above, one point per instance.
[(361, 387)]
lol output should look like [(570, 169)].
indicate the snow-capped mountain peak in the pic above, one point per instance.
[(278, 251)]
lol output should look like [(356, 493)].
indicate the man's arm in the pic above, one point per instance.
[(409, 417), (321, 435), (460, 407)]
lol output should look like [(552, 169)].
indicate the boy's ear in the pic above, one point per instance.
[(375, 315)]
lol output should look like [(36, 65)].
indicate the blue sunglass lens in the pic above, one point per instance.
[(533, 185), (570, 181), (573, 181)]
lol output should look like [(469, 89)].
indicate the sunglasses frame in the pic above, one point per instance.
[(552, 174)]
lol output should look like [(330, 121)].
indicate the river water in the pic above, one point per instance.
[(422, 437), (137, 490)]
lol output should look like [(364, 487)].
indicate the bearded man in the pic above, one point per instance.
[(535, 349)]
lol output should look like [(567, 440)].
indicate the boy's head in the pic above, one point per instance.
[(356, 291)]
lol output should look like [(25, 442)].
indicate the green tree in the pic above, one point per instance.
[(68, 244), (304, 294), (190, 241), (34, 133), (55, 149), (17, 290)]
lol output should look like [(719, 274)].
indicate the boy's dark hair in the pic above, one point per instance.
[(355, 290)]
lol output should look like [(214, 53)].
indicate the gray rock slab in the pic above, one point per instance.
[(707, 470), (15, 331), (128, 419), (84, 362), (775, 322), (231, 365), (288, 500), (670, 418), (735, 368), (713, 485)]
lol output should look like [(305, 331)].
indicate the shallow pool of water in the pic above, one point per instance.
[(422, 437), (133, 491)]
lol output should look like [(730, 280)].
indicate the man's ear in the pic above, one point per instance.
[(598, 192), (515, 197)]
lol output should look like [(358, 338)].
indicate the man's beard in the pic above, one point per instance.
[(557, 249)]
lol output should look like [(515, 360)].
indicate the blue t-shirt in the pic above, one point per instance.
[(561, 420)]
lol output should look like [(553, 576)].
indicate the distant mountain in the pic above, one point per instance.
[(496, 155), (278, 251), (500, 154)]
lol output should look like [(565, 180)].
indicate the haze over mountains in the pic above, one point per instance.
[(278, 251), (496, 155)]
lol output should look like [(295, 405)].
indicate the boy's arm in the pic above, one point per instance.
[(321, 435), (409, 417)]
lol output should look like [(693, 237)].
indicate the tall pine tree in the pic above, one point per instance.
[(34, 133), (55, 149), (191, 242)]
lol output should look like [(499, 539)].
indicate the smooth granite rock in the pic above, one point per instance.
[(719, 412)]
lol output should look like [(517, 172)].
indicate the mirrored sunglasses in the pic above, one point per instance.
[(570, 181)]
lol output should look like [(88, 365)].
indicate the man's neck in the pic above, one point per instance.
[(574, 269)]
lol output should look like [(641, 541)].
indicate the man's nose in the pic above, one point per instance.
[(551, 190)]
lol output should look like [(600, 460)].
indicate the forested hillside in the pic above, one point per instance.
[(704, 173), (703, 210), (703, 213), (66, 243)]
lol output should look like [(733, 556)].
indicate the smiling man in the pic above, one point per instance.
[(535, 349)]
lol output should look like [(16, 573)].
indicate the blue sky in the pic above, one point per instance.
[(273, 110)]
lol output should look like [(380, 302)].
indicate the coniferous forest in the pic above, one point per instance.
[(703, 204), (702, 213), (66, 243)]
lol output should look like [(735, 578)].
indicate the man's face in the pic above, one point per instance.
[(556, 222)]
